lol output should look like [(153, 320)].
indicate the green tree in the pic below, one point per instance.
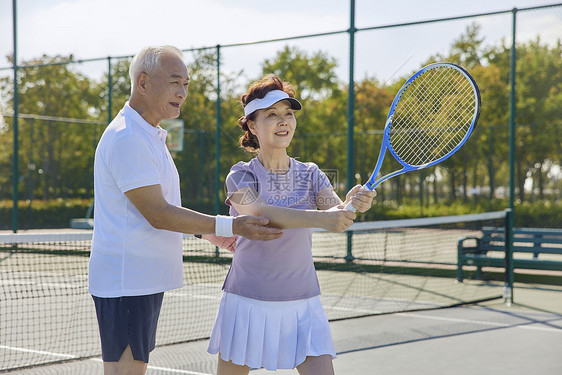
[(466, 50), (538, 87), (313, 74), (60, 149)]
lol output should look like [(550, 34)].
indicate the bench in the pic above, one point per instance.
[(489, 250)]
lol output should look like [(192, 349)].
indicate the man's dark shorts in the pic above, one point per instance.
[(126, 321)]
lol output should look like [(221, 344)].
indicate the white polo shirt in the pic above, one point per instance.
[(129, 256)]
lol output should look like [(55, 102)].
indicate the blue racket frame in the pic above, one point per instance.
[(372, 183)]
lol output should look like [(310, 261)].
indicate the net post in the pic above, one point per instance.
[(460, 277), (508, 241), (349, 258)]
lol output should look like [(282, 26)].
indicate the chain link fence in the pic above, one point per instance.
[(63, 105)]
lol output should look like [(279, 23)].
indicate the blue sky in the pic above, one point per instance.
[(100, 28)]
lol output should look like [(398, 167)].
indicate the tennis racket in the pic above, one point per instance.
[(430, 119)]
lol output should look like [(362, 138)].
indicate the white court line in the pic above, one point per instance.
[(352, 309), (419, 316), (196, 296), (69, 356), (36, 351), (483, 322), (456, 320), (175, 371)]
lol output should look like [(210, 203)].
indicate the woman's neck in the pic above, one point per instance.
[(275, 161)]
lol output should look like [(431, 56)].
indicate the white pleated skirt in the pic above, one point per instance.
[(270, 334)]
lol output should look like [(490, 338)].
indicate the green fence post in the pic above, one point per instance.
[(508, 288), (202, 141), (491, 167), (512, 108), (217, 136), (30, 171), (109, 90), (350, 117), (15, 166), (218, 140)]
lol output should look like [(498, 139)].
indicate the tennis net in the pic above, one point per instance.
[(47, 315)]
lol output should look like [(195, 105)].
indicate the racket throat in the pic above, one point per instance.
[(373, 185)]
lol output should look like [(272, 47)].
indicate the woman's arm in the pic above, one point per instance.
[(327, 199), (285, 218)]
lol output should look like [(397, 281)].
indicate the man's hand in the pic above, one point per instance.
[(228, 243), (254, 228)]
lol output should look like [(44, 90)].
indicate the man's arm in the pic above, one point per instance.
[(150, 202)]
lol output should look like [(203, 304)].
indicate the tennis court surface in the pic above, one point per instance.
[(484, 339), (396, 308)]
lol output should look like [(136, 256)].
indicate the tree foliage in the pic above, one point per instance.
[(63, 151)]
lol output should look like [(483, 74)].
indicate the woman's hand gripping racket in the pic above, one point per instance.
[(431, 117)]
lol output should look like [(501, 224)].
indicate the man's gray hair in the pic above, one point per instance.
[(148, 60)]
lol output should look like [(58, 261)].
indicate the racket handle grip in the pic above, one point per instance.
[(349, 207)]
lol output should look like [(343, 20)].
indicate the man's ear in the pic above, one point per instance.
[(142, 79)]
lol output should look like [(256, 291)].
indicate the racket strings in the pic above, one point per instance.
[(430, 146), (438, 145), (433, 116), (455, 134)]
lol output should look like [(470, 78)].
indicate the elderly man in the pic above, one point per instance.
[(136, 251)]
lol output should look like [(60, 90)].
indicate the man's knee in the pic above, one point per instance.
[(127, 365)]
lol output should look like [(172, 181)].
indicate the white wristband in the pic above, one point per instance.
[(223, 226)]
